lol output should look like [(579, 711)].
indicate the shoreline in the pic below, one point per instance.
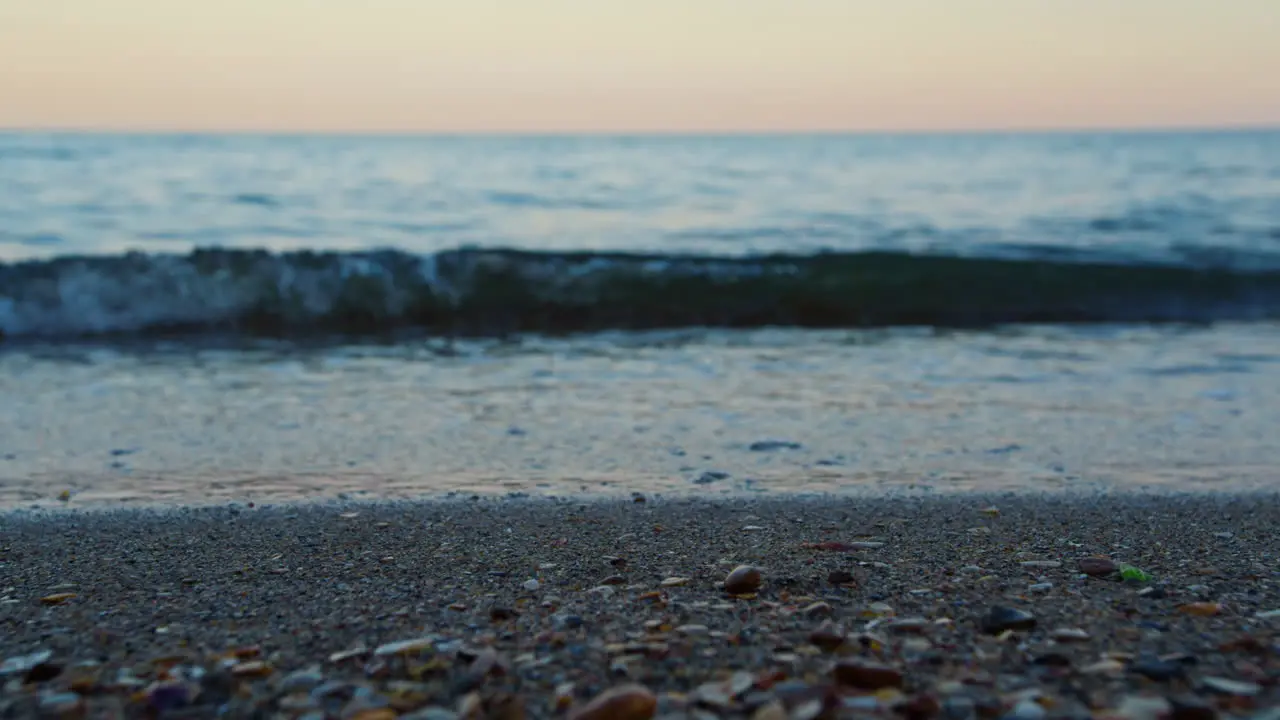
[(869, 606)]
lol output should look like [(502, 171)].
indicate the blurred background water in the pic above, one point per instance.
[(133, 368)]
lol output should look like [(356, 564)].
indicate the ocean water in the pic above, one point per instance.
[(189, 319)]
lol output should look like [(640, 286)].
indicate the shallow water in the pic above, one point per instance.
[(1120, 407), (100, 398)]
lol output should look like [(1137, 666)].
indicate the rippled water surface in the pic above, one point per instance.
[(773, 411), (201, 318), (1153, 194)]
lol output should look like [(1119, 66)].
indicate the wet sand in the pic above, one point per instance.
[(916, 608)]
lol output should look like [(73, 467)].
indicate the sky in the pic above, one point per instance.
[(637, 65)]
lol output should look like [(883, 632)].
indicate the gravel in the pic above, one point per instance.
[(956, 607)]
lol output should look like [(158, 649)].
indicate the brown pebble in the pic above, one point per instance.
[(57, 598), (625, 702), (817, 609), (921, 707), (253, 668), (773, 711), (840, 577), (1098, 566), (744, 579), (501, 613), (1201, 609), (614, 580), (827, 637), (866, 676), (1190, 707)]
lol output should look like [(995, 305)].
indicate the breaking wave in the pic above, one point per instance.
[(477, 292)]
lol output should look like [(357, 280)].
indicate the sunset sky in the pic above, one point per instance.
[(637, 65)]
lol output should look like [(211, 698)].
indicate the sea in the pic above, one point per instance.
[(191, 319)]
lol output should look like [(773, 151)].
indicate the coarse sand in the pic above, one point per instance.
[(966, 606)]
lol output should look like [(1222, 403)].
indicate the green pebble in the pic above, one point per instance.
[(1131, 573)]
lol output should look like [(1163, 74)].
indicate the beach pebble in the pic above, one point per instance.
[(827, 637), (1142, 707), (743, 579), (864, 675), (1225, 686), (1158, 670), (878, 609), (394, 648), (168, 696), (531, 585), (1097, 566), (816, 609), (773, 445), (61, 705), (908, 625), (1040, 564), (674, 582), (1028, 710), (774, 710), (1043, 587), (1069, 635), (301, 680), (1190, 707), (1109, 666), (1000, 619), (1201, 609), (625, 702), (253, 668), (24, 663), (840, 577), (693, 629)]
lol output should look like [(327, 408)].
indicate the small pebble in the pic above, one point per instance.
[(61, 705), (864, 675), (1029, 710), (1225, 686), (1069, 635), (1098, 567), (1201, 609), (816, 609), (625, 702), (742, 580), (1000, 619)]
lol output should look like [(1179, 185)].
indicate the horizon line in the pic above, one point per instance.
[(623, 133)]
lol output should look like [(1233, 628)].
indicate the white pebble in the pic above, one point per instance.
[(530, 584), (1029, 710)]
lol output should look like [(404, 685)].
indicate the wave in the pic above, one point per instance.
[(478, 292)]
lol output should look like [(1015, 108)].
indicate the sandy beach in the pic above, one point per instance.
[(954, 607)]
